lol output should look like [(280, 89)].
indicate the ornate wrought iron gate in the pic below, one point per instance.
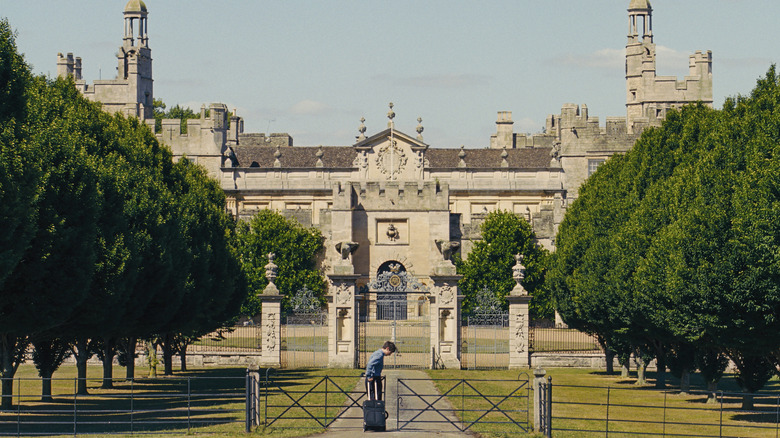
[(305, 332), (396, 308), (485, 334)]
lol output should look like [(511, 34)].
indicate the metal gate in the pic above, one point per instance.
[(395, 307), (304, 332), (485, 334)]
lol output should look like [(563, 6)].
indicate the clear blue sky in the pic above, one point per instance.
[(313, 68)]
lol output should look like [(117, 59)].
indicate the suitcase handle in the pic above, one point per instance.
[(386, 415)]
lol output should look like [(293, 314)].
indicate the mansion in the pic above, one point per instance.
[(390, 198)]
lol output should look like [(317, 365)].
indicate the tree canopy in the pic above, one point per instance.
[(102, 236), (489, 264), (296, 248), (675, 244)]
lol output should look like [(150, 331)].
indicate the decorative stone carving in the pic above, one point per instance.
[(447, 247), (446, 294), (270, 332), (343, 293), (392, 233), (362, 129), (518, 273), (520, 333), (271, 268), (391, 159), (346, 249)]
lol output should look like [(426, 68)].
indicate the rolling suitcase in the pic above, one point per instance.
[(374, 413)]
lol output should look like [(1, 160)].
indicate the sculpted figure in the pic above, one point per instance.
[(346, 248), (447, 248)]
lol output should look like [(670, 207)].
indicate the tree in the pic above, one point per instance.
[(176, 112), (693, 253), (295, 247), (489, 264), (215, 287)]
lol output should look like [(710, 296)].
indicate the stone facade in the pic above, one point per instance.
[(393, 198)]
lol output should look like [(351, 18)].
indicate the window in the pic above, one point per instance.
[(594, 164)]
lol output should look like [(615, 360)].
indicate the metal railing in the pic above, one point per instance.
[(476, 405), (172, 405), (283, 401), (545, 337), (617, 411)]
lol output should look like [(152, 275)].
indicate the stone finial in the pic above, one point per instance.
[(271, 269), (391, 116), (420, 129), (319, 155), (277, 155), (447, 248), (504, 154), (362, 129), (518, 273), (462, 156), (346, 249)]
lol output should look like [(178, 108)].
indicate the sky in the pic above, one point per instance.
[(314, 68)]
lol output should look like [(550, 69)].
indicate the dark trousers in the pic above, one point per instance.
[(374, 388)]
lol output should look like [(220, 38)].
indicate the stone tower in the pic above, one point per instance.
[(648, 96), (131, 92)]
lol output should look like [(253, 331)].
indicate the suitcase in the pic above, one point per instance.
[(374, 415)]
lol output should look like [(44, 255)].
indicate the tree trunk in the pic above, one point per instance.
[(685, 381), (151, 357), (660, 370), (130, 371), (8, 392), (711, 395), (82, 355), (747, 401), (609, 355), (168, 354), (183, 356), (624, 371), (46, 389), (10, 358), (108, 363), (640, 373)]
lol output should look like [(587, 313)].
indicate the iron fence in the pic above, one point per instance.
[(545, 337), (237, 339), (175, 405), (485, 341), (616, 411)]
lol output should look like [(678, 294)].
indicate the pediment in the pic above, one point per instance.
[(390, 155), (383, 137)]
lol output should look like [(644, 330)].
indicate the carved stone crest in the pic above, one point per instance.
[(343, 293), (447, 294), (391, 159)]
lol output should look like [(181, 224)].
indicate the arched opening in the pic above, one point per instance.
[(391, 284)]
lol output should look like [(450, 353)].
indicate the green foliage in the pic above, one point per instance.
[(489, 264), (675, 243), (176, 112), (101, 235), (295, 248)]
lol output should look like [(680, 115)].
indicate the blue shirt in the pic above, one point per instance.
[(375, 364)]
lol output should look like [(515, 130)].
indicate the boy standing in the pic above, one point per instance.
[(374, 370)]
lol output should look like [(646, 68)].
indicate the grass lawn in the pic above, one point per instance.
[(580, 394), (201, 400)]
